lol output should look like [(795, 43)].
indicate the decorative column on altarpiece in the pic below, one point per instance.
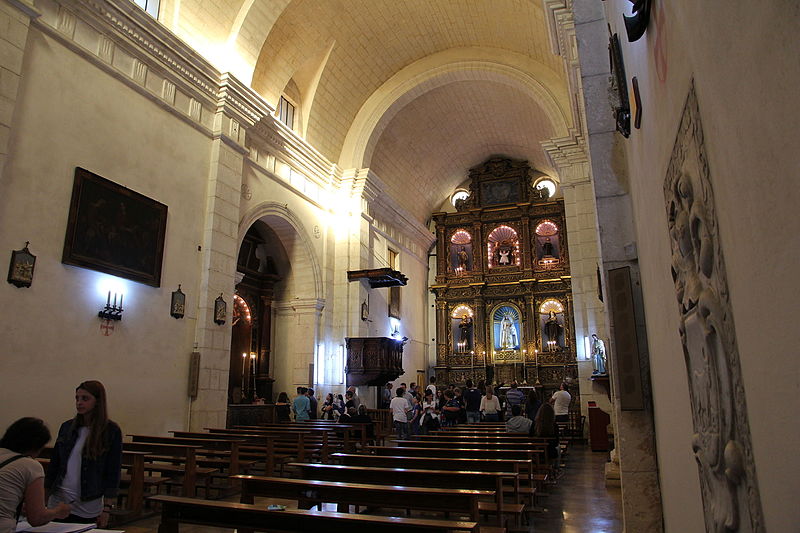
[(442, 251), (479, 332), (527, 250), (442, 325), (530, 324), (477, 247)]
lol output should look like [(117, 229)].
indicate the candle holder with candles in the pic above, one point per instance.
[(112, 311)]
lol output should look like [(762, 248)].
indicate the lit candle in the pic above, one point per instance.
[(108, 300), (120, 301), (115, 299)]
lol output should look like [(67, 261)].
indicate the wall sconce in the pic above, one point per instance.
[(220, 310), (177, 305), (112, 312), (20, 270)]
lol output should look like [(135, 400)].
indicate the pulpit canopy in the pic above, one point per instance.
[(373, 360)]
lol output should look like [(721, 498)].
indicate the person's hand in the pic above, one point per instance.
[(102, 520), (62, 510)]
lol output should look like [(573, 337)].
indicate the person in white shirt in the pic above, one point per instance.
[(561, 400), (399, 407), (490, 406), (22, 477), (430, 416), (432, 386)]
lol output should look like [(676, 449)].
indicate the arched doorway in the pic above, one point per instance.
[(260, 266), (278, 282)]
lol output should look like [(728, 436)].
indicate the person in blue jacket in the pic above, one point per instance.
[(84, 469)]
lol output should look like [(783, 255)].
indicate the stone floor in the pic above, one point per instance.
[(579, 503)]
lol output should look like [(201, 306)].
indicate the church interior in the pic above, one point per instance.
[(252, 196)]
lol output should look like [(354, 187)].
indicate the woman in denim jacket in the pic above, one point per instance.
[(84, 469)]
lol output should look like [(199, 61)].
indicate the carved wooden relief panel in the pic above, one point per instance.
[(721, 442)]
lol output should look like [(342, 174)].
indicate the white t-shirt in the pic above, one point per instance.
[(490, 407), (69, 491), (399, 406), (562, 400), (14, 479), (429, 408)]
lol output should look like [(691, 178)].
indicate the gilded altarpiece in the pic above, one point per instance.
[(503, 287)]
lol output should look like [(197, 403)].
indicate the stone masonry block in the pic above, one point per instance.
[(9, 84), (17, 33), (10, 57), (599, 115), (6, 111)]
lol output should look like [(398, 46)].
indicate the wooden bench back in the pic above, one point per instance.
[(175, 510)]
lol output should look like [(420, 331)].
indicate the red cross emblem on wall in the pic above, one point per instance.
[(106, 327)]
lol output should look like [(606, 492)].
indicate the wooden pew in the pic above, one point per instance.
[(185, 454), (278, 446), (521, 469), (349, 432), (531, 454), (175, 510), (311, 492), (443, 479)]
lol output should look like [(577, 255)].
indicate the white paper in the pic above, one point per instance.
[(54, 527)]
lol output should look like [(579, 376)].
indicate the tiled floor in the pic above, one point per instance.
[(579, 503)]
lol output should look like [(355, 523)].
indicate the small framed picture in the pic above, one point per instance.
[(220, 310), (20, 270), (177, 306)]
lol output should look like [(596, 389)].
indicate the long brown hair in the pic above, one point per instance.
[(545, 423), (97, 421)]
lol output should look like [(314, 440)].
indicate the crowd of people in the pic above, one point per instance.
[(83, 473), (416, 413)]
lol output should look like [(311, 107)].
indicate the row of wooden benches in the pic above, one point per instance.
[(429, 475)]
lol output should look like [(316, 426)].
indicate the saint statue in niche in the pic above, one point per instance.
[(463, 258), (598, 354), (547, 248), (552, 329), (508, 333), (465, 333), (504, 258)]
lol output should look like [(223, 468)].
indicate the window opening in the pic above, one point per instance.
[(286, 112)]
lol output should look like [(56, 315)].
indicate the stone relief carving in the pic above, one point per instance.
[(721, 442)]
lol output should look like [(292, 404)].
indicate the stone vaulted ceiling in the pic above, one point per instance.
[(416, 90)]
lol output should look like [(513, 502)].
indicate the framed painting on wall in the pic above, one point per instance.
[(394, 302), (115, 230)]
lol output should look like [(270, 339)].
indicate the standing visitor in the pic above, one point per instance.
[(430, 414), (282, 408), (327, 407), (387, 396), (451, 409), (472, 399), (490, 406), (312, 401), (356, 399), (22, 477), (399, 407), (432, 386), (84, 468), (301, 405), (561, 400), (514, 396)]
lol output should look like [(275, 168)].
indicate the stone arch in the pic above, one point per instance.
[(294, 237), (297, 311), (546, 88)]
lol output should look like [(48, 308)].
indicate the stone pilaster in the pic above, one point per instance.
[(15, 19), (219, 249), (579, 34)]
